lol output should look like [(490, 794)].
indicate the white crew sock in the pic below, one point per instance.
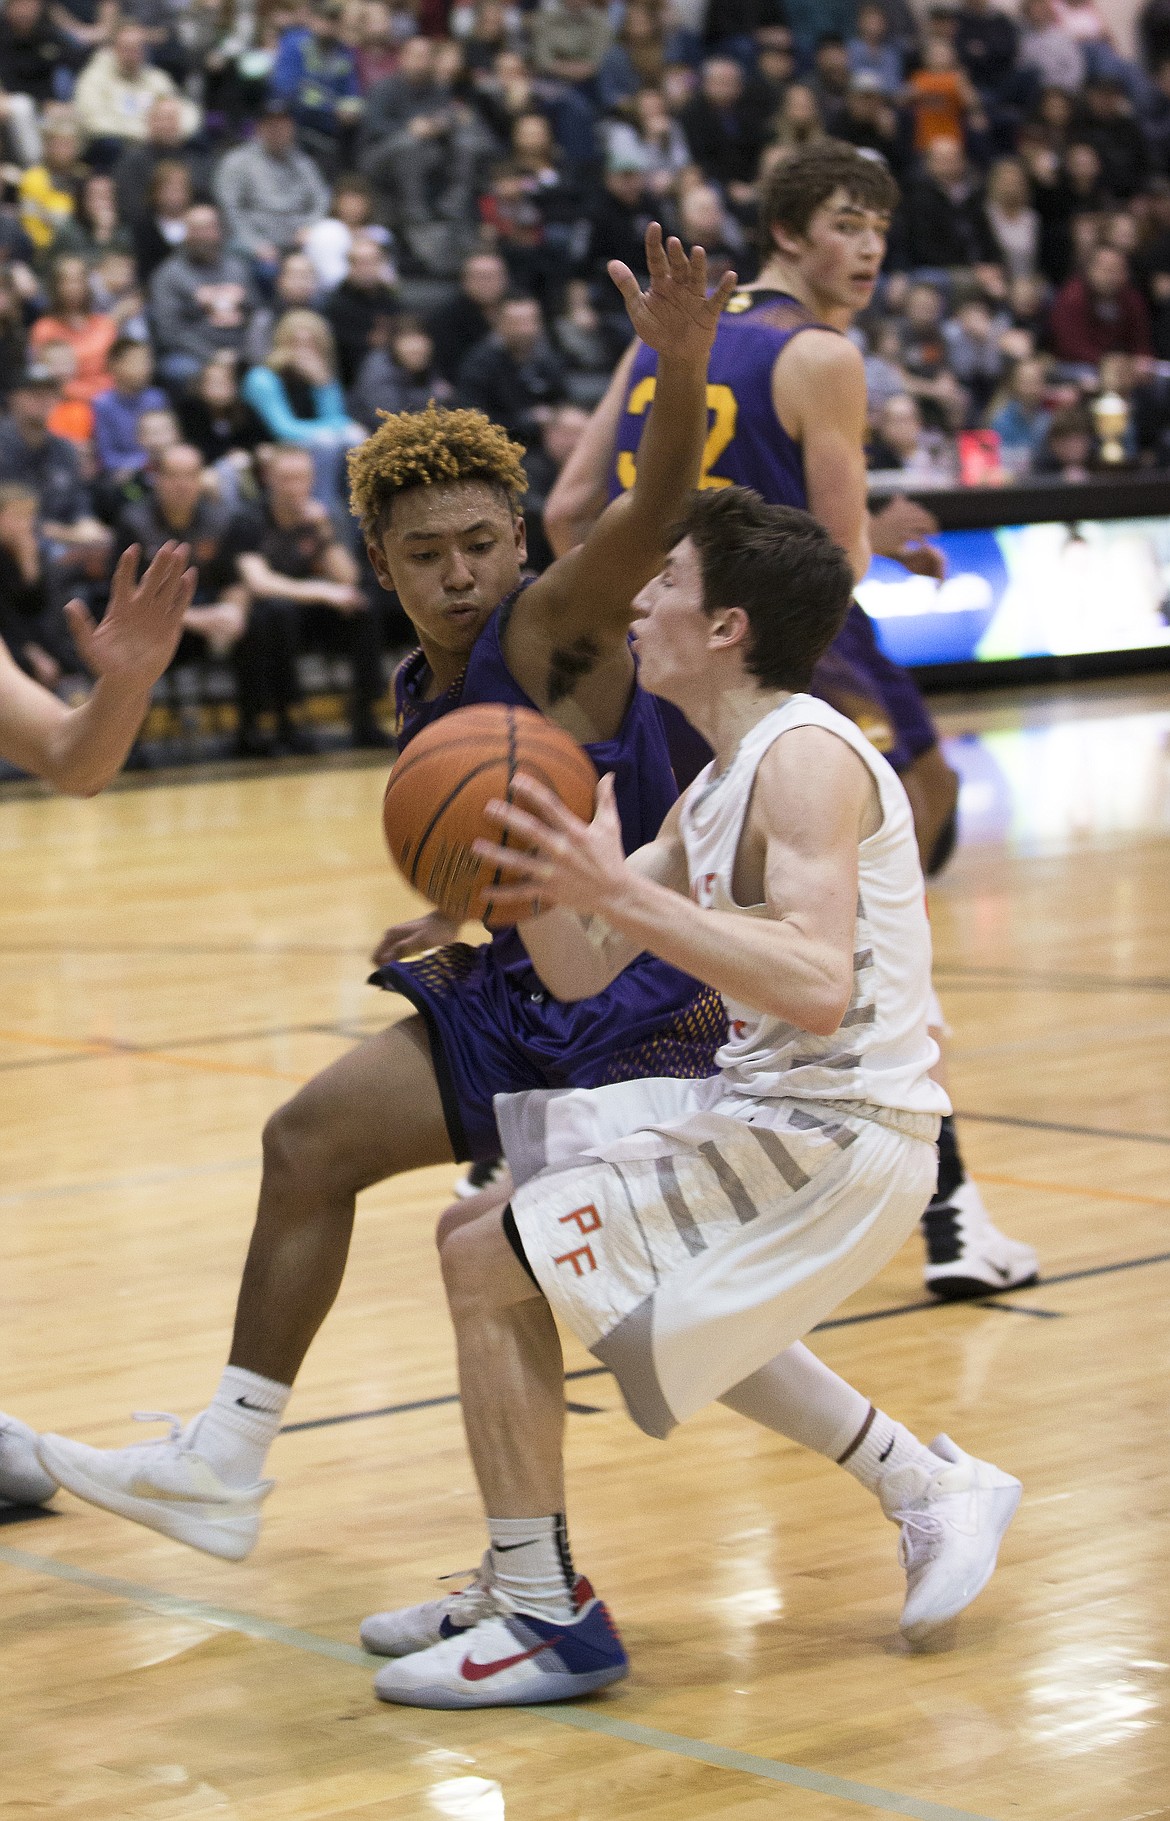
[(532, 1565), (797, 1395), (880, 1447), (238, 1427)]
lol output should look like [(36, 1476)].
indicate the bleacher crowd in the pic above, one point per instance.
[(233, 231)]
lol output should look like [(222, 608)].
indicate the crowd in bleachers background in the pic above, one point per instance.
[(233, 231)]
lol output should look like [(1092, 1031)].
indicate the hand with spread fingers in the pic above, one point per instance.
[(676, 316), (557, 859), (140, 630)]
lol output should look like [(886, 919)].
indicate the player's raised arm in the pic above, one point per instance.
[(590, 590), (78, 750)]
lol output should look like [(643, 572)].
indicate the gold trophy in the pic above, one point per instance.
[(1111, 421)]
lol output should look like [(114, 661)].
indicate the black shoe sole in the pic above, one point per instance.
[(971, 1289)]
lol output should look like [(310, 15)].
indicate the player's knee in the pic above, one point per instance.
[(297, 1142), (449, 1221), (459, 1262)]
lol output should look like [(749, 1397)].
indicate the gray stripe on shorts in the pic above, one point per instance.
[(628, 1351), (676, 1206), (860, 1014), (840, 1134), (779, 1156), (744, 1207), (637, 1220)]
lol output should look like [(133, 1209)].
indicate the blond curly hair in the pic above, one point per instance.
[(425, 448)]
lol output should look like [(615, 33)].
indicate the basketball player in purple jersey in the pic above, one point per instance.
[(78, 751), (438, 496), (787, 403)]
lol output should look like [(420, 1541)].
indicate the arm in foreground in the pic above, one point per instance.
[(591, 588), (812, 793), (580, 491), (78, 750)]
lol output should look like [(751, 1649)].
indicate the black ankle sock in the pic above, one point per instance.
[(950, 1165)]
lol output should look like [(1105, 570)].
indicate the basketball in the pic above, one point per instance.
[(434, 804)]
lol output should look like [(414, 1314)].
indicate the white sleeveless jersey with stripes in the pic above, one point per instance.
[(881, 1053)]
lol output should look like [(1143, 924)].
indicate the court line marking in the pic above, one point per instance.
[(630, 1732), (1069, 982), (111, 1046), (1053, 1125), (838, 1321)]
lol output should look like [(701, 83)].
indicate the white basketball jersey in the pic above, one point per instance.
[(881, 1053)]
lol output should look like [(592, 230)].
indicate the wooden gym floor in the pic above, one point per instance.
[(174, 958)]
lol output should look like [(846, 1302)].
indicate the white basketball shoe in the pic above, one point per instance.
[(510, 1658), (163, 1484), (966, 1256), (952, 1520), (23, 1481), (409, 1628)]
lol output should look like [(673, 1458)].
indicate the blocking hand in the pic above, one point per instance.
[(676, 317), (140, 631)]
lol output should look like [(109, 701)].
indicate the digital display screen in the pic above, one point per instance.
[(1052, 589)]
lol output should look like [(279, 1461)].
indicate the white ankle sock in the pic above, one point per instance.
[(239, 1426), (532, 1565), (881, 1446)]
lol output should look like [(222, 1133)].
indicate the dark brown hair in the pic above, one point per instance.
[(796, 186), (784, 570)]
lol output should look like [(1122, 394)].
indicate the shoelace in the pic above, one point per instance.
[(162, 1416), (919, 1531)]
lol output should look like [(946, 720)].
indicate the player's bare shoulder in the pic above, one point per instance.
[(812, 788), (817, 372)]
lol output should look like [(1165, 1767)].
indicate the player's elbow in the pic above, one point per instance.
[(826, 1004)]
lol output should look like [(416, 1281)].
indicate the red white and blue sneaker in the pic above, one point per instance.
[(409, 1628), (510, 1659)]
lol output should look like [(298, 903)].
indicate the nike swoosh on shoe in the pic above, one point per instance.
[(472, 1671)]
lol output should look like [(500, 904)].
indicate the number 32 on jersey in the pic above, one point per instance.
[(723, 410)]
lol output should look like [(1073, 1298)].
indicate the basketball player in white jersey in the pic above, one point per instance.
[(78, 751), (686, 1230)]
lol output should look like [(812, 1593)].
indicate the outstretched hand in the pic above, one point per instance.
[(676, 317), (558, 858), (143, 623)]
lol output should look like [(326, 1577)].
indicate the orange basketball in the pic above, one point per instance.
[(434, 802)]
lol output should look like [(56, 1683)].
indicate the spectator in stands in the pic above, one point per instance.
[(181, 506), (200, 299), (13, 335), (619, 216), (30, 51), (72, 318), (398, 373), (725, 128), (469, 318), (941, 219), (1101, 313), (33, 456), (1013, 224), (514, 375), (900, 441), (1068, 449), (799, 120), (116, 90), (1048, 49), (589, 343), (303, 586), (559, 436), (268, 190), (297, 395), (364, 299), (569, 39), (870, 120), (327, 243), (117, 411), (163, 224), (1019, 415), (34, 634), (168, 141), (636, 58), (1109, 125), (296, 288), (942, 102), (647, 137), (316, 75), (422, 148), (872, 51), (48, 191), (705, 221), (973, 351), (214, 417), (987, 40), (94, 228)]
